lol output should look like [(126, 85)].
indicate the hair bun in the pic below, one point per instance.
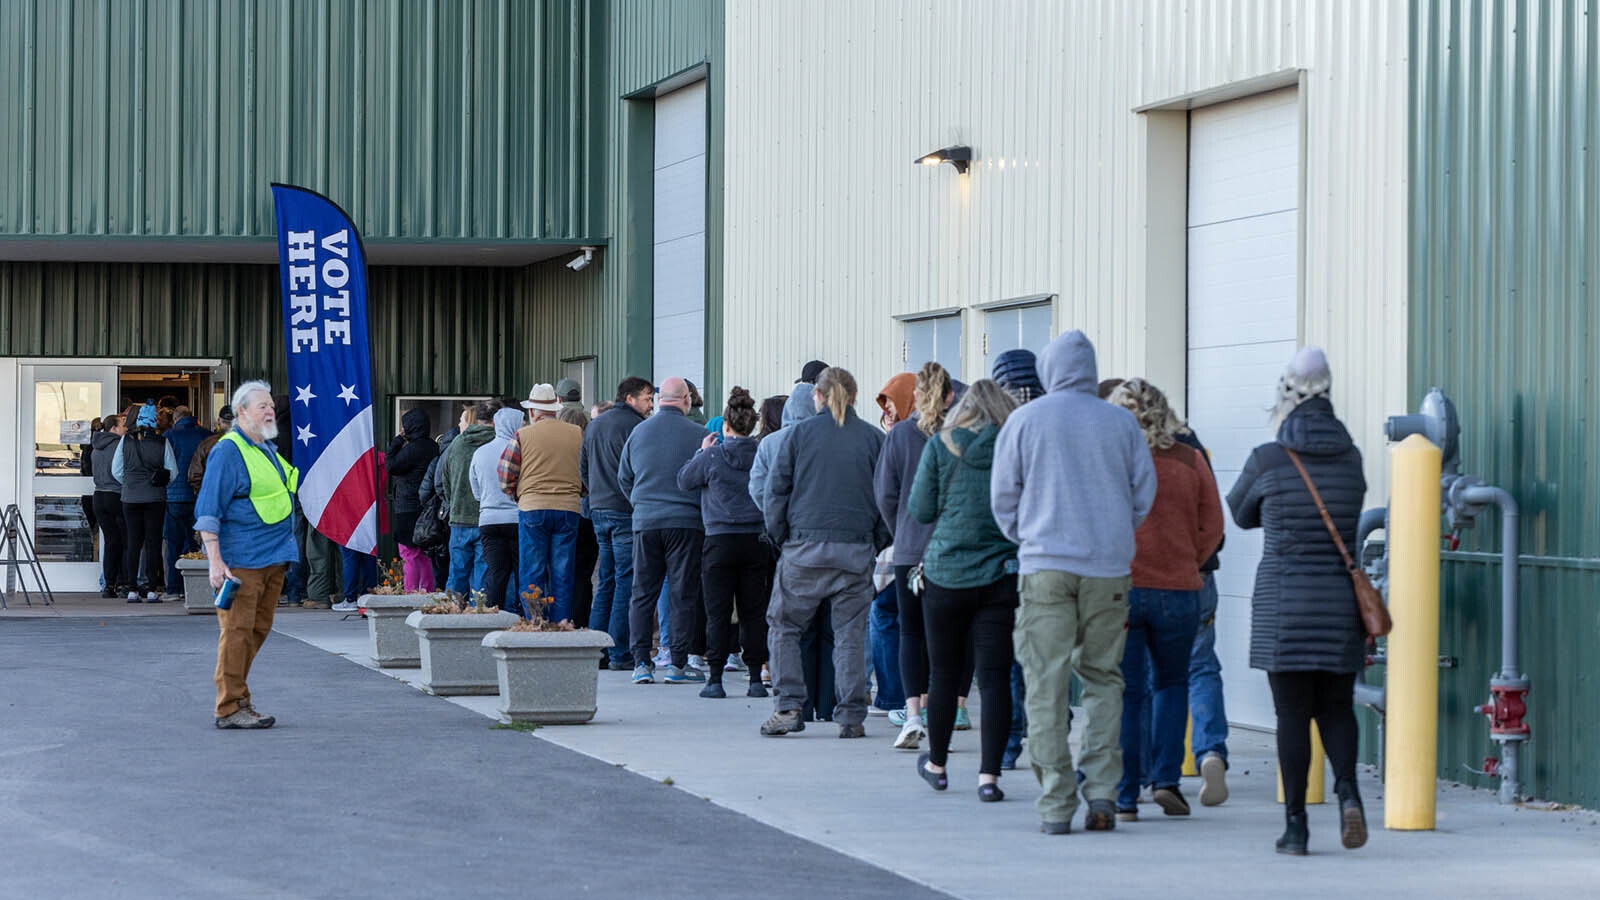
[(739, 398)]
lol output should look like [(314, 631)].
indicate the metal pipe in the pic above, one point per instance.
[(1371, 520), (1510, 786)]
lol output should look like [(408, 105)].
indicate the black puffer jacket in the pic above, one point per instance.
[(1303, 614), (409, 455)]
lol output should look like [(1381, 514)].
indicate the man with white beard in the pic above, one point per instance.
[(244, 514)]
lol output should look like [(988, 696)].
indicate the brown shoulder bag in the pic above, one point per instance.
[(1374, 615)]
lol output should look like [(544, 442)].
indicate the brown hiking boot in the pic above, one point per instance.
[(784, 721), (244, 717), (314, 603)]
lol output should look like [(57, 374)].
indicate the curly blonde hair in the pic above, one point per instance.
[(932, 389), (1161, 426)]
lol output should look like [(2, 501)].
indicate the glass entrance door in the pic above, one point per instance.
[(59, 403)]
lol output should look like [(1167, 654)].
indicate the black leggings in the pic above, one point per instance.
[(736, 576), (976, 621), (1327, 697), (914, 642), (499, 546), (144, 521), (108, 515)]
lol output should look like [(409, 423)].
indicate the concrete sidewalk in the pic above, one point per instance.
[(864, 799)]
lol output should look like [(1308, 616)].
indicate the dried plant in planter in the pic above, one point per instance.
[(534, 606), (394, 579), (450, 604), (193, 554)]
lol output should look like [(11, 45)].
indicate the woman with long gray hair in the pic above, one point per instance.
[(969, 577)]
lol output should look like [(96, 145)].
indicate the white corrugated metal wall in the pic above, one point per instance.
[(831, 231)]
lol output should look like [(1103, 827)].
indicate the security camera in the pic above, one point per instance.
[(581, 260)]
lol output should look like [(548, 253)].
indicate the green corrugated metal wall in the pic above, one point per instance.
[(434, 330), (434, 118), (1505, 205)]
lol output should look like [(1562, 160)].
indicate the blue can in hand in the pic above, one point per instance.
[(224, 597)]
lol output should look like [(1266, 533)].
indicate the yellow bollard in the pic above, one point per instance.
[(1317, 777), (1412, 721), (1189, 768)]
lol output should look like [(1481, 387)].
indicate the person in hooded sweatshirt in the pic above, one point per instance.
[(467, 563), (144, 465), (433, 484), (107, 502), (1017, 371), (734, 570), (897, 400), (1072, 480), (819, 509), (410, 454), (497, 515), (1305, 630)]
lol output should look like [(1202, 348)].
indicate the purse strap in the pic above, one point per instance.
[(1327, 520)]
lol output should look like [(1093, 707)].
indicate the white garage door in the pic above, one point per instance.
[(1244, 191), (680, 235)]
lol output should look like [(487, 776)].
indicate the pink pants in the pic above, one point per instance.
[(418, 570)]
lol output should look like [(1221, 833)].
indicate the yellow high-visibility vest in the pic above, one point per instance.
[(270, 493)]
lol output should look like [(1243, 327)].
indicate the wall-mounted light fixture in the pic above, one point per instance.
[(960, 157)]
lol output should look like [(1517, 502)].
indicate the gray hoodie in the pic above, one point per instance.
[(494, 506), (800, 406), (1072, 474)]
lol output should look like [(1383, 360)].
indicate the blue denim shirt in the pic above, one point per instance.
[(224, 509)]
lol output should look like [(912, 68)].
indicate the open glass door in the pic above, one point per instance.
[(58, 404)]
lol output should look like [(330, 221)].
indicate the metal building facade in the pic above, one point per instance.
[(1075, 114), (1505, 200)]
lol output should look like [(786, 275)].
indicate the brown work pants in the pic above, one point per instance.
[(242, 630)]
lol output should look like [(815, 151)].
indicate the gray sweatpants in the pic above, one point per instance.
[(808, 574)]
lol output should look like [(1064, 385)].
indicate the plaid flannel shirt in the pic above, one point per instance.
[(510, 467)]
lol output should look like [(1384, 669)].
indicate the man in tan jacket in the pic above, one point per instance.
[(540, 469)]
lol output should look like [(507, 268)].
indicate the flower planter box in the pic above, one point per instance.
[(451, 652), (196, 587), (549, 677), (394, 641)]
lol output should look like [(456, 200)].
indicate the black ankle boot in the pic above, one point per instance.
[(1352, 817), (1295, 834)]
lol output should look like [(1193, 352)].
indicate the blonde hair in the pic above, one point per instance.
[(1149, 406), (933, 386), (838, 390), (985, 403)]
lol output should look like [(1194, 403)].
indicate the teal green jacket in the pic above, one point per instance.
[(951, 491)]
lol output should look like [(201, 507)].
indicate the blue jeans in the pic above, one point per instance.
[(883, 628), (1019, 714), (609, 614), (360, 573), (1161, 629), (467, 565), (1205, 681), (177, 529), (547, 550)]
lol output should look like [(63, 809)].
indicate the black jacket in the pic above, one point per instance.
[(1303, 614), (600, 454), (820, 484), (408, 458), (722, 474)]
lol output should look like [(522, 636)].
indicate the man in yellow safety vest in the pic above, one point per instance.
[(244, 513)]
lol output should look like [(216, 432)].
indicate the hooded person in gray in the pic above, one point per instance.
[(1072, 480), (801, 406)]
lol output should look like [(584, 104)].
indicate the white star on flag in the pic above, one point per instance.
[(305, 434), (304, 395), (347, 393)]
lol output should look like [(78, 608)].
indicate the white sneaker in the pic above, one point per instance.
[(346, 606), (152, 596), (1213, 780), (911, 734), (698, 662), (734, 664), (663, 657)]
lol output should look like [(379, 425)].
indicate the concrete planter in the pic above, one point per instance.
[(394, 641), (451, 652), (549, 677), (196, 587)]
